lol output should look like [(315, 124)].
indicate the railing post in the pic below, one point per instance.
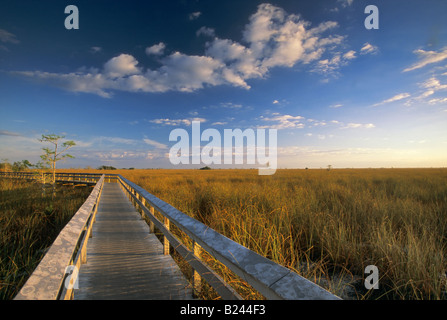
[(151, 224), (143, 202), (84, 253), (196, 278), (165, 240)]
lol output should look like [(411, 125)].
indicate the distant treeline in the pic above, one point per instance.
[(16, 166), (106, 168)]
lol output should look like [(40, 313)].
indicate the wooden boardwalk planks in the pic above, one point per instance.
[(124, 260)]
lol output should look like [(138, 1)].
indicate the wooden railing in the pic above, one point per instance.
[(53, 278), (270, 279), (61, 177)]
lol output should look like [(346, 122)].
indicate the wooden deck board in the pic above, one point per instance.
[(125, 261)]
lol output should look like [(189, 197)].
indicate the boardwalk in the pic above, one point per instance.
[(124, 260)]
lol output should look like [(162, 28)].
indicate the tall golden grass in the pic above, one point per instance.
[(326, 225), (29, 223)]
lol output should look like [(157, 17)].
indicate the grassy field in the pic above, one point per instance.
[(326, 225), (29, 223)]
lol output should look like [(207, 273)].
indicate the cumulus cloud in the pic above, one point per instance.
[(156, 49), (427, 57), (121, 66), (271, 38), (276, 38)]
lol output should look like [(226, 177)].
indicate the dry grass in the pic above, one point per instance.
[(29, 223), (326, 225)]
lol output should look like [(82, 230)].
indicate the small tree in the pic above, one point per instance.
[(41, 172), (5, 165), (52, 156), (21, 165)]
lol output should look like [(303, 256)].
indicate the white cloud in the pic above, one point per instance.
[(397, 97), (95, 49), (280, 39), (176, 122), (90, 82), (346, 3), (438, 100), (230, 105), (116, 155), (8, 37), (359, 125), (156, 49), (434, 84), (155, 143), (122, 65), (187, 73), (330, 67), (369, 48), (429, 88), (209, 32), (194, 15), (9, 133), (285, 121), (427, 57), (114, 140), (239, 61), (272, 38), (350, 55)]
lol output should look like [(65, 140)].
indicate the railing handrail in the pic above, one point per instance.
[(62, 177), (269, 278), (33, 173), (47, 282)]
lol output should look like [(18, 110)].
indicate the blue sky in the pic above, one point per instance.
[(337, 93)]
